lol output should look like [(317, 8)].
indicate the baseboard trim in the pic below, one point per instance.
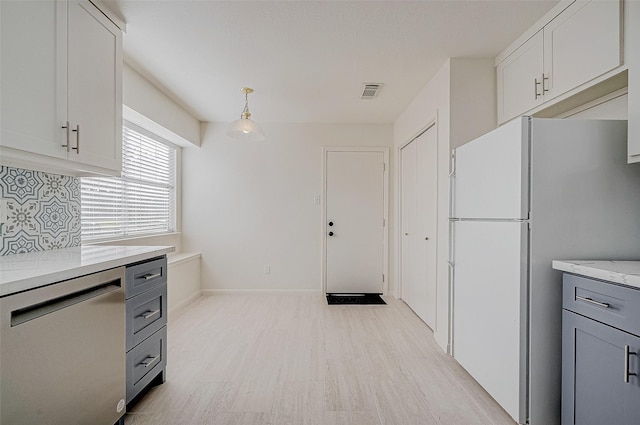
[(261, 291)]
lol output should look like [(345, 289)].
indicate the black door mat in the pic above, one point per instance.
[(354, 299)]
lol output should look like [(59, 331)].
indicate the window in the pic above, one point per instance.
[(142, 201)]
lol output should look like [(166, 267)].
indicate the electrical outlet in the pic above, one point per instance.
[(267, 269)]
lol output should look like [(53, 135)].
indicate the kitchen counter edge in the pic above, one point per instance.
[(622, 272), (23, 272)]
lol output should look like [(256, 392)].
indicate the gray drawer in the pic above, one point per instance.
[(145, 276), (615, 305), (146, 313), (145, 362)]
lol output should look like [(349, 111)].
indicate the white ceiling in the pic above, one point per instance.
[(307, 60)]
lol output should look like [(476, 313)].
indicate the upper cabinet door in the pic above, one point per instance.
[(581, 44), (33, 76), (95, 88), (520, 79), (632, 58)]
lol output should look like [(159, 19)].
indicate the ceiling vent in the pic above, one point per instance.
[(371, 90)]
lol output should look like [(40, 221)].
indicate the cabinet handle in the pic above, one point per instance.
[(67, 128), (590, 301), (536, 83), (150, 313), (77, 131), (627, 353), (149, 361), (151, 276), (544, 89)]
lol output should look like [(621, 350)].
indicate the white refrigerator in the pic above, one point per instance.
[(524, 194)]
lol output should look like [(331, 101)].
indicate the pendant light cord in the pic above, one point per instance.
[(245, 112)]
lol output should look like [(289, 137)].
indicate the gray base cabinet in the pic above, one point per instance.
[(146, 325), (600, 364)]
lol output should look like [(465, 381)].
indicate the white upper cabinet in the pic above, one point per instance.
[(61, 87), (578, 45), (520, 79), (31, 70), (95, 87), (632, 57)]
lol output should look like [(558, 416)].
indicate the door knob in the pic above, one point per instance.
[(426, 238), (330, 233), (331, 223), (406, 234)]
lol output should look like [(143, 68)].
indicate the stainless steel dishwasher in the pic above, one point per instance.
[(62, 352)]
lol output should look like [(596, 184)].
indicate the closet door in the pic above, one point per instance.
[(418, 225), (409, 278), (426, 203)]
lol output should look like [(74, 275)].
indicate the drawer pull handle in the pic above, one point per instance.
[(151, 276), (149, 361), (590, 301), (150, 313), (627, 353)]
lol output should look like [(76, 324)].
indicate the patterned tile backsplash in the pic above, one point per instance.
[(43, 211)]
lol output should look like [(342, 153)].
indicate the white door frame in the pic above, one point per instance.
[(431, 124), (323, 228)]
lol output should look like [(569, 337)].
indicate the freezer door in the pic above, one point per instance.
[(489, 309), (491, 174)]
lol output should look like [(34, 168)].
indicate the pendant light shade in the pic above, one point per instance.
[(245, 128)]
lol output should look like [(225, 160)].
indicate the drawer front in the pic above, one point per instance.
[(615, 305), (145, 276), (146, 313), (145, 362)]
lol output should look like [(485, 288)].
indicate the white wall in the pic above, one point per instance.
[(473, 99), (431, 104), (153, 110), (611, 108), (251, 204), (460, 98)]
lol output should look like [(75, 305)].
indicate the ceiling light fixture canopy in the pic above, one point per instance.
[(245, 128)]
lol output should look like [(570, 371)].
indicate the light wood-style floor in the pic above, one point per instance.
[(292, 359)]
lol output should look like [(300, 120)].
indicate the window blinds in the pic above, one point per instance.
[(143, 200)]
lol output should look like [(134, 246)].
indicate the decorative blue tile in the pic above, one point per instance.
[(53, 185), (20, 243), (43, 211), (21, 217), (21, 185), (54, 217)]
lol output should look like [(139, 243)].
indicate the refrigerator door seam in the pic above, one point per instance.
[(492, 220)]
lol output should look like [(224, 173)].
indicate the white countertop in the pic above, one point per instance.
[(623, 272), (21, 272)]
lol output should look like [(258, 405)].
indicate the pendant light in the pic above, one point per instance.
[(244, 128)]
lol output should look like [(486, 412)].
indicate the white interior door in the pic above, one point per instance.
[(426, 214), (418, 214), (354, 221), (410, 281)]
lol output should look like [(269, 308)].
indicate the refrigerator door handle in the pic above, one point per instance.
[(453, 164), (452, 347), (452, 180)]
